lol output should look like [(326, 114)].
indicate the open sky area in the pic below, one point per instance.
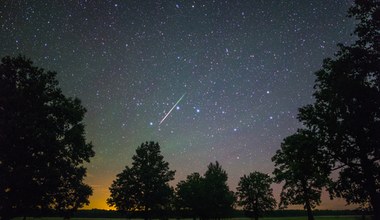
[(209, 80)]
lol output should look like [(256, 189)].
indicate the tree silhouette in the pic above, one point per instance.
[(208, 196), (219, 200), (346, 112), (144, 186), (71, 196), (190, 194), (301, 165), (42, 143), (123, 191), (255, 194)]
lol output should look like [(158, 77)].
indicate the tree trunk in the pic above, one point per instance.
[(256, 209), (145, 213), (370, 185), (375, 203), (309, 211), (307, 201)]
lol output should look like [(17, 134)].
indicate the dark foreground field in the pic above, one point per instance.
[(266, 218)]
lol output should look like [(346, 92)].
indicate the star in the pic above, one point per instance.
[(240, 66)]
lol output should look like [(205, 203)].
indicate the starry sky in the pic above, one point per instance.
[(242, 68)]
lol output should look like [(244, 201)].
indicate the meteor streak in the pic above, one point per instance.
[(172, 109)]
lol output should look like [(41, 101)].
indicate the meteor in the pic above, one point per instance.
[(172, 109)]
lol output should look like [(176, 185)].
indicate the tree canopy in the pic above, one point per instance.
[(301, 165), (208, 196), (143, 186), (346, 112), (190, 193), (42, 142), (219, 199), (255, 194)]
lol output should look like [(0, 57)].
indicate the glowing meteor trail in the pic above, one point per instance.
[(172, 109)]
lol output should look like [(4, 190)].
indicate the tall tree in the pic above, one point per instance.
[(301, 165), (255, 194), (42, 143), (346, 112), (144, 186), (208, 196), (123, 191), (190, 194), (219, 200)]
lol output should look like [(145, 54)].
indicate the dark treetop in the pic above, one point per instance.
[(42, 143), (346, 112)]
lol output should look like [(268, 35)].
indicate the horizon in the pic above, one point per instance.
[(245, 67)]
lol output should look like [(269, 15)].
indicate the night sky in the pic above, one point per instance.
[(242, 68)]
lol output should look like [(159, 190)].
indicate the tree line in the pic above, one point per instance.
[(43, 147), (144, 188)]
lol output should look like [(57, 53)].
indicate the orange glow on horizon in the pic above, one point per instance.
[(98, 201), (100, 182)]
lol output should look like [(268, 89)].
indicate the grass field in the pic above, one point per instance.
[(272, 218), (318, 218)]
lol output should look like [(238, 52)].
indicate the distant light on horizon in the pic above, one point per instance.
[(243, 71)]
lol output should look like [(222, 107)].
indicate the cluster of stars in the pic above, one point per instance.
[(245, 66)]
